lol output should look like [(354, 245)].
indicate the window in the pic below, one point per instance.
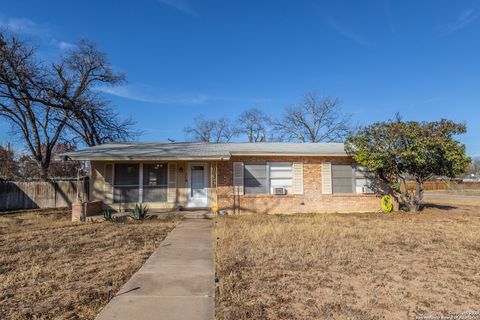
[(155, 182), (126, 182), (351, 179), (280, 176), (255, 178), (263, 177), (342, 178), (364, 181)]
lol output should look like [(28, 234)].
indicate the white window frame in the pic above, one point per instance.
[(268, 165), (270, 179), (354, 181), (267, 174), (352, 178)]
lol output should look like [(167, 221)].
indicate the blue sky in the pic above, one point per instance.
[(185, 57)]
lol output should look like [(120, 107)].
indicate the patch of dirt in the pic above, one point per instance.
[(52, 268), (348, 266)]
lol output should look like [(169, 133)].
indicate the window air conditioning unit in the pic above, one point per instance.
[(366, 189), (279, 191)]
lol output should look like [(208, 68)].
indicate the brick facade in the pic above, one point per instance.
[(311, 201)]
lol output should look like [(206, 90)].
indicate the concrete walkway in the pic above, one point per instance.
[(176, 282)]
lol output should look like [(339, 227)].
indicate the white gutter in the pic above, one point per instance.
[(214, 158), (82, 158), (236, 154)]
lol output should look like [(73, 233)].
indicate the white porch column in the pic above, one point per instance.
[(140, 189)]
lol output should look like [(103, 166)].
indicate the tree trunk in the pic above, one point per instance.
[(413, 205), (413, 200), (419, 193), (407, 201), (43, 172), (44, 175), (410, 200)]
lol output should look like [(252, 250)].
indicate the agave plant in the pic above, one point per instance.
[(140, 211), (107, 214)]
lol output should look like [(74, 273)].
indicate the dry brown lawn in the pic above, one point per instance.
[(453, 198), (349, 266), (52, 268)]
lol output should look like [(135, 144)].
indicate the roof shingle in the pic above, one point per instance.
[(212, 151)]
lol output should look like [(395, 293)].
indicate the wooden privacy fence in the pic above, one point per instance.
[(464, 186), (447, 185), (16, 195)]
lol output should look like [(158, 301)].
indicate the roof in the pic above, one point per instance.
[(202, 151)]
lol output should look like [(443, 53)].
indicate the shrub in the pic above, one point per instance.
[(107, 215), (140, 211)]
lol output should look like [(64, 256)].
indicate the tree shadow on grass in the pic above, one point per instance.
[(438, 206)]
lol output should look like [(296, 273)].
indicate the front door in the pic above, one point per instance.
[(197, 185)]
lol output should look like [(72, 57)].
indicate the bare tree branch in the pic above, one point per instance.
[(77, 75), (216, 131), (24, 100), (314, 120), (253, 123), (46, 103)]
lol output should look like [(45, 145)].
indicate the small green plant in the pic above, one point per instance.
[(140, 211), (82, 218), (107, 215)]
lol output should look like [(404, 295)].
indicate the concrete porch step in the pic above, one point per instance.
[(196, 214)]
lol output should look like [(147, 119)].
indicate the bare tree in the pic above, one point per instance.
[(220, 130), (77, 75), (223, 130), (8, 167), (474, 167), (313, 120), (49, 103), (26, 103), (201, 131), (57, 168), (254, 124)]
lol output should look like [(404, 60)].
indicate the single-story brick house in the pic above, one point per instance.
[(235, 177)]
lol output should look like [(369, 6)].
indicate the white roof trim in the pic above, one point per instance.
[(290, 154), (205, 151), (148, 158)]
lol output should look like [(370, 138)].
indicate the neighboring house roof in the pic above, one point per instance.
[(203, 151)]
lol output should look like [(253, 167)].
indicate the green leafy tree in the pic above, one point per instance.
[(396, 151)]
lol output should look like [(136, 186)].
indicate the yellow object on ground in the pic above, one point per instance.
[(387, 203)]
